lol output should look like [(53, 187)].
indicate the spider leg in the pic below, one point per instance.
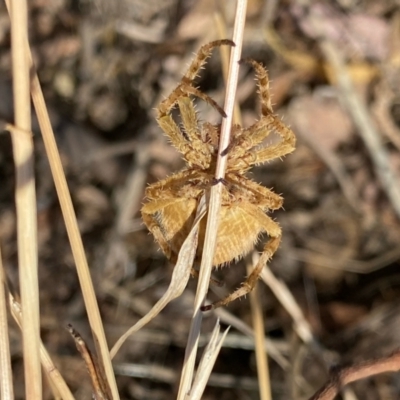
[(243, 148), (155, 190), (195, 151), (191, 145), (186, 85), (171, 129), (201, 154), (202, 55), (165, 188), (264, 197), (274, 231), (171, 204), (149, 211), (286, 146)]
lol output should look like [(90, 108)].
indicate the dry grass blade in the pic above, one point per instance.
[(25, 201), (51, 371), (73, 233), (275, 353), (6, 381), (260, 348), (282, 293), (207, 363), (99, 384), (215, 204), (69, 217), (180, 277)]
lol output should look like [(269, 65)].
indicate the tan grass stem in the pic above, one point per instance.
[(6, 381), (214, 205), (25, 201)]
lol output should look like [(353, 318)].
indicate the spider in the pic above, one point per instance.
[(171, 203)]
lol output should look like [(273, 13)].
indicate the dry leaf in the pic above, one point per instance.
[(179, 279)]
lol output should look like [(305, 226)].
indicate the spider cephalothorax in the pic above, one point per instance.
[(172, 203)]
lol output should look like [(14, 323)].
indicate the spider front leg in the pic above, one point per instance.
[(244, 146), (190, 143), (149, 216), (186, 86), (264, 198), (271, 121), (275, 233)]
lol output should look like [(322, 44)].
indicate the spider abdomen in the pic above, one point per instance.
[(237, 232)]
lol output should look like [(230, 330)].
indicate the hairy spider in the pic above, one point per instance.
[(172, 202)]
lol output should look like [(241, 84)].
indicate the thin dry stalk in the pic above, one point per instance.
[(285, 297), (25, 201), (274, 352), (71, 226), (75, 239), (57, 382), (207, 362), (158, 373), (343, 376), (214, 205), (6, 381), (224, 51), (132, 191), (260, 348), (99, 385), (69, 218)]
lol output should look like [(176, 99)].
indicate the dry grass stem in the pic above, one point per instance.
[(25, 201), (69, 218), (130, 200), (224, 51), (179, 279), (273, 351), (73, 234), (259, 336), (285, 297), (72, 227), (99, 384), (214, 204), (6, 381), (58, 384), (169, 375), (207, 362)]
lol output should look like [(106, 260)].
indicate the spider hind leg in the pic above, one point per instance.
[(274, 231)]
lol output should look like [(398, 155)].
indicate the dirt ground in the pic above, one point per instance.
[(104, 67)]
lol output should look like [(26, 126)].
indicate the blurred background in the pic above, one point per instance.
[(104, 67)]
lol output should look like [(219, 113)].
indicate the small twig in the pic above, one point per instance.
[(25, 199), (342, 376), (99, 384), (6, 381), (285, 297), (215, 203), (59, 387), (259, 337)]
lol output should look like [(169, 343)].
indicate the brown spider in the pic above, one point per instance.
[(172, 202)]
